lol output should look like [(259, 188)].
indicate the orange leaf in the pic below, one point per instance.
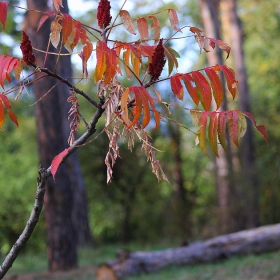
[(85, 55), (127, 22), (146, 108), (157, 118), (2, 114), (126, 56), (173, 19), (202, 131), (187, 78), (138, 105), (111, 62), (124, 108), (3, 13), (176, 86), (143, 28), (156, 27), (57, 3), (216, 86), (136, 62), (55, 33), (101, 61), (222, 125), (212, 132), (203, 90), (66, 27), (196, 31), (231, 82), (57, 161)]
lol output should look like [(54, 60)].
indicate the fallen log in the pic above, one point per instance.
[(253, 241)]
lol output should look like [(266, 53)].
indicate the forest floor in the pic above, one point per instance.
[(253, 267)]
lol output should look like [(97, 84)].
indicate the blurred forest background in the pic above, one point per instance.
[(135, 207)]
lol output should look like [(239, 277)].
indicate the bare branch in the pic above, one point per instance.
[(39, 198)]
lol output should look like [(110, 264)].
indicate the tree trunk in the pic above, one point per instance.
[(65, 201), (225, 185), (248, 182), (254, 241)]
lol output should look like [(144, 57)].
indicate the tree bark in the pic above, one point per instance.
[(249, 182), (224, 173), (254, 241), (65, 203)]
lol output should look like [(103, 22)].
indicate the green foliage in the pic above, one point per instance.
[(18, 180), (262, 59)]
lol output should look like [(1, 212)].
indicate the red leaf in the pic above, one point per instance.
[(156, 27), (66, 27), (57, 161), (3, 13), (222, 45), (176, 86), (233, 126), (12, 116), (4, 69), (44, 17), (216, 86), (187, 78), (78, 33), (6, 101), (203, 90), (143, 28), (212, 132), (2, 114), (127, 22), (222, 125), (173, 19), (231, 82), (260, 128)]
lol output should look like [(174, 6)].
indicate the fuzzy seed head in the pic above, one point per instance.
[(158, 62), (26, 48), (103, 13)]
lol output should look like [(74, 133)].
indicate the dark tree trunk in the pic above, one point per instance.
[(248, 182), (254, 241), (226, 194), (65, 201)]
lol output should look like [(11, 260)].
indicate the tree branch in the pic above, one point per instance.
[(30, 225), (41, 189), (54, 75)]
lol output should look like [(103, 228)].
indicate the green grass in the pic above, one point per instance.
[(253, 267)]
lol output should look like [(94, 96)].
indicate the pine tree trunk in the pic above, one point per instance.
[(249, 181), (225, 184), (65, 201)]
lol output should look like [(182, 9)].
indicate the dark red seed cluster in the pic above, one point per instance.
[(158, 62), (103, 13), (26, 48)]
